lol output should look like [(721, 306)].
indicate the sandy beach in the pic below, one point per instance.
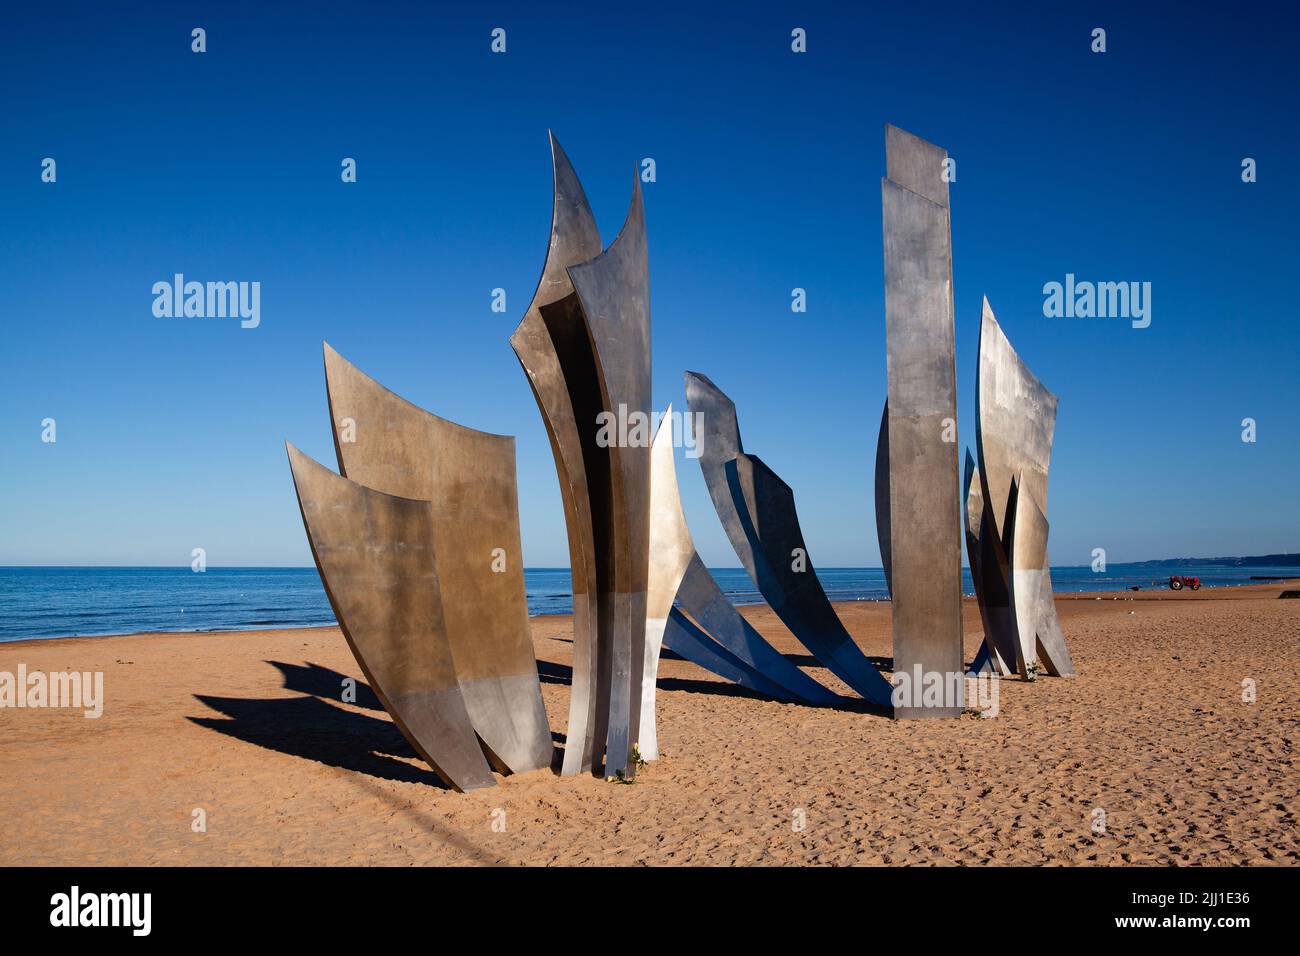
[(249, 728)]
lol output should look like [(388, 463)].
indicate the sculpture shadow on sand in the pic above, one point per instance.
[(316, 730)]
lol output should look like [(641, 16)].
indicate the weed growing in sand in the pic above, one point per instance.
[(637, 761), (1033, 670)]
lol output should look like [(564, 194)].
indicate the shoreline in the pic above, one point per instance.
[(1154, 594)]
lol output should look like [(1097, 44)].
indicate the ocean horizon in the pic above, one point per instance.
[(51, 602)]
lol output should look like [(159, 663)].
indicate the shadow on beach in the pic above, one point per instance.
[(324, 683), (315, 729)]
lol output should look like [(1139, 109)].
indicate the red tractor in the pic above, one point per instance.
[(1177, 582)]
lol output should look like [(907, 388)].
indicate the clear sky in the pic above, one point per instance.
[(1122, 166)]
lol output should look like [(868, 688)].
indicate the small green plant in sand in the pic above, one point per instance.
[(637, 761), (1032, 671)]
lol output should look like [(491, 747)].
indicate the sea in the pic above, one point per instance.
[(46, 602)]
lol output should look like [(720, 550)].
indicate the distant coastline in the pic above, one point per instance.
[(1253, 561)]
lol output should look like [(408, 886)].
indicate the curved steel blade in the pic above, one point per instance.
[(614, 292), (684, 638), (1015, 423), (678, 575), (1031, 589), (552, 347), (988, 573), (398, 448), (376, 557), (882, 499), (757, 511)]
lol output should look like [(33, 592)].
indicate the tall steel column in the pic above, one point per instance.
[(924, 510)]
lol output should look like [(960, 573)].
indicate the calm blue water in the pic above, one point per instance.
[(62, 602)]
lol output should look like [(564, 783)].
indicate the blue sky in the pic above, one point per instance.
[(225, 166)]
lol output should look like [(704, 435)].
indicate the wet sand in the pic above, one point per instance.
[(249, 728)]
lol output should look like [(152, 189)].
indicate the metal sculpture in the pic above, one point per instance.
[(418, 546), (390, 445), (550, 339), (686, 639), (882, 499), (1015, 422), (988, 571), (757, 510), (584, 343), (699, 597), (670, 554), (614, 293), (718, 638), (919, 433), (1037, 628), (376, 555)]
